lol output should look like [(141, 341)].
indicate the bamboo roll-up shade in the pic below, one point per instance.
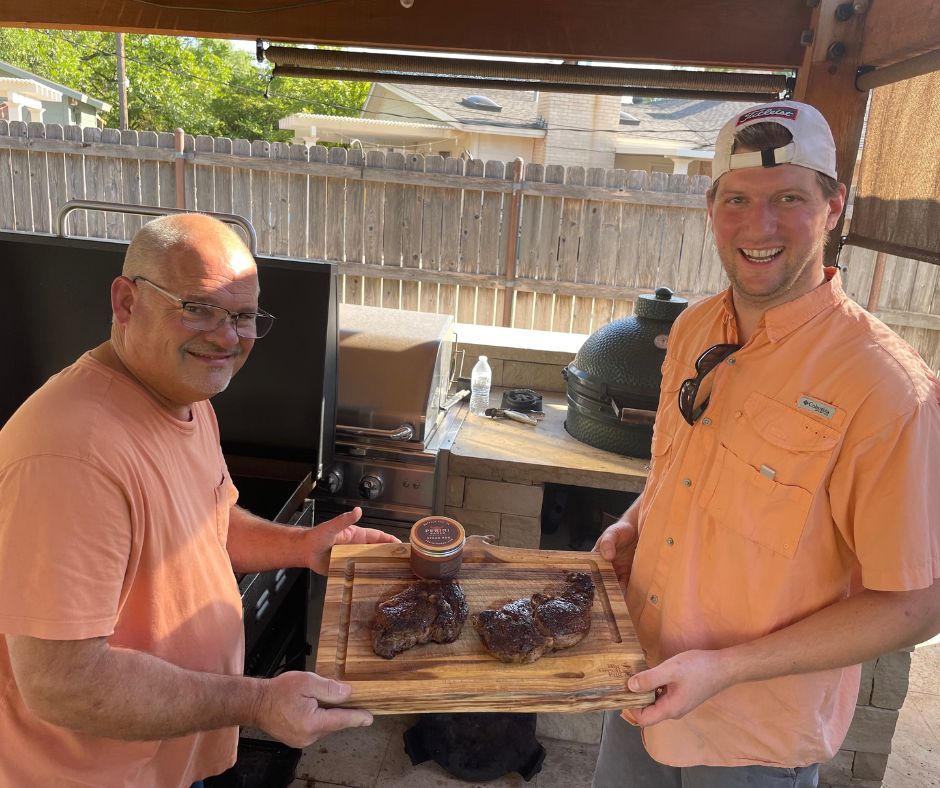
[(897, 201)]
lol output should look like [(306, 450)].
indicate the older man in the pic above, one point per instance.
[(790, 525), (122, 658)]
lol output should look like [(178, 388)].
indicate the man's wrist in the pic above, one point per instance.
[(255, 695), (740, 663), (307, 546), (628, 520)]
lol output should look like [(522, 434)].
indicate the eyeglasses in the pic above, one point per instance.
[(693, 395), (209, 317)]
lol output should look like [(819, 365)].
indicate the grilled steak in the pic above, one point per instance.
[(429, 610), (510, 633), (566, 615), (525, 629)]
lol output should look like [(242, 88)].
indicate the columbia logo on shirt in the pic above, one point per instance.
[(804, 402)]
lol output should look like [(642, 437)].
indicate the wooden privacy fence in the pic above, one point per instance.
[(550, 248), (408, 232)]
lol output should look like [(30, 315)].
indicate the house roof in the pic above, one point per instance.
[(666, 127), (518, 107), (687, 123), (691, 121), (667, 124), (30, 87), (101, 106)]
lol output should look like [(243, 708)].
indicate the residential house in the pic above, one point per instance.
[(671, 135), (665, 135), (429, 119), (28, 97)]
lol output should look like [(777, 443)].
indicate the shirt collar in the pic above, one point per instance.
[(786, 318)]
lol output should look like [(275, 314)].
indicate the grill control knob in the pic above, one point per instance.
[(370, 487), (334, 480)]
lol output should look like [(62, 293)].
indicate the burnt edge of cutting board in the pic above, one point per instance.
[(462, 676)]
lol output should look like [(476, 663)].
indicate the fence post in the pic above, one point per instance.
[(512, 240), (180, 169), (877, 276)]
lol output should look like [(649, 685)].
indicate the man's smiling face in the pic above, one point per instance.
[(770, 226), (181, 365)]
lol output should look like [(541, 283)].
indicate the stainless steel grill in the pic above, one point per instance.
[(393, 419)]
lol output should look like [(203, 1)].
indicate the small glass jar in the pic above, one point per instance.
[(437, 548)]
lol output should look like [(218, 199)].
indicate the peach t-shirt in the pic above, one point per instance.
[(113, 522), (809, 474)]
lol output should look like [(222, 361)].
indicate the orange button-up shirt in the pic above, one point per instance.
[(811, 472)]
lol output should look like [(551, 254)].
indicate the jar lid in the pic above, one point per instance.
[(437, 534)]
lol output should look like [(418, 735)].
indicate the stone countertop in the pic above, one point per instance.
[(505, 450), (520, 344)]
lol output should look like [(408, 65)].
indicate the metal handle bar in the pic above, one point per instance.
[(634, 415), (403, 433), (150, 210)]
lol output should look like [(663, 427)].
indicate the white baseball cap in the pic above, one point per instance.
[(812, 144)]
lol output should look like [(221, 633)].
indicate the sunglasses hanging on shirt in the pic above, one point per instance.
[(694, 393)]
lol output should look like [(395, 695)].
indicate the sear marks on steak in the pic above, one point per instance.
[(429, 610), (525, 629)]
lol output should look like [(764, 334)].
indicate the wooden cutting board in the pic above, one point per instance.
[(462, 676)]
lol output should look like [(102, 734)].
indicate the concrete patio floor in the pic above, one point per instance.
[(375, 758)]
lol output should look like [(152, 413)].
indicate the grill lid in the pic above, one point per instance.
[(613, 382), (627, 354), (394, 371)]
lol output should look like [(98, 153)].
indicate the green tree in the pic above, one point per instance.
[(204, 86)]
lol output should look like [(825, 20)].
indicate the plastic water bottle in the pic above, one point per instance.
[(480, 380)]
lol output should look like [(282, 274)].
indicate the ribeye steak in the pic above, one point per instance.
[(429, 610), (524, 629)]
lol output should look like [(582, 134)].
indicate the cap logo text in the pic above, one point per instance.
[(786, 113)]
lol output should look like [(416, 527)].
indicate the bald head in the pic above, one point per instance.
[(161, 246)]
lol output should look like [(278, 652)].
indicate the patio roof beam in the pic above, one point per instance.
[(509, 84), (749, 33), (511, 75)]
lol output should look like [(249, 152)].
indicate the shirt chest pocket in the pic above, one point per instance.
[(767, 472)]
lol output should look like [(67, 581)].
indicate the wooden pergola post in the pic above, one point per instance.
[(827, 81)]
